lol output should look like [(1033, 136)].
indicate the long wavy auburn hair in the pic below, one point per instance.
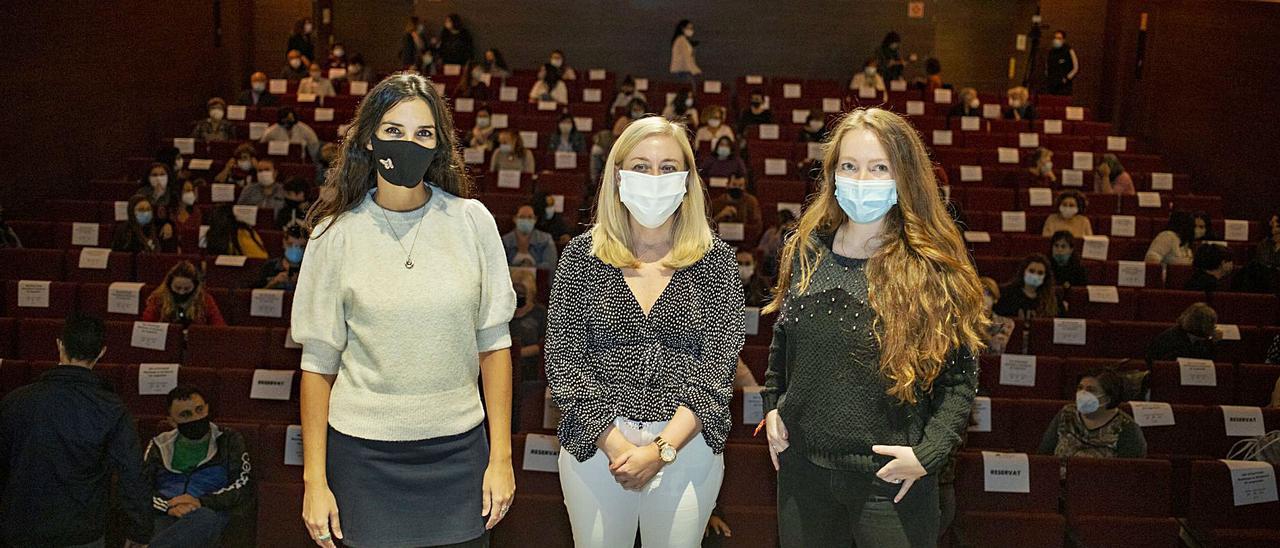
[(921, 284)]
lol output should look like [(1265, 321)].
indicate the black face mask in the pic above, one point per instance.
[(521, 300), (757, 102), (735, 193), (402, 163), (288, 124), (196, 429)]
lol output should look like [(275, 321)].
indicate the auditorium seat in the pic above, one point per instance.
[(34, 234), (93, 299), (120, 349), (1166, 385), (206, 379), (1079, 305), (1215, 519), (36, 339), (279, 516), (119, 268), (1255, 383), (241, 310), (31, 264), (277, 354), (1047, 381), (1246, 308), (232, 277), (1009, 519), (152, 267), (1121, 339), (1114, 502), (226, 347), (235, 386), (269, 461), (1198, 431), (8, 329), (13, 373), (62, 301), (63, 231)]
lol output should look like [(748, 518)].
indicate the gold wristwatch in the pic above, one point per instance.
[(666, 451)]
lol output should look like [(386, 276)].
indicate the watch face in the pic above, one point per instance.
[(668, 454)]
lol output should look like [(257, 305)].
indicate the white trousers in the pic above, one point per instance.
[(671, 511)]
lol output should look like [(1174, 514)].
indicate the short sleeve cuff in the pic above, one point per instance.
[(321, 358), (493, 338)]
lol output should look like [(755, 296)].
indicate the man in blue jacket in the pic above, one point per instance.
[(200, 475), (61, 438)]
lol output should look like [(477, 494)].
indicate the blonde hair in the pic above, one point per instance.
[(1018, 92), (920, 282), (991, 286), (611, 234)]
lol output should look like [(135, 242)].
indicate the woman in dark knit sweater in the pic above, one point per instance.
[(871, 371)]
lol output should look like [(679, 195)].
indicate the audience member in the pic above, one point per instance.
[(889, 57), (528, 246), (316, 84), (556, 59), (1069, 216), (1111, 178), (303, 39), (681, 109), (1001, 327), (755, 288), (227, 235), (1094, 426), (566, 137), (1212, 263), (868, 81), (757, 113), (511, 154), (684, 63), (289, 128), (201, 474), (714, 129), (456, 47), (215, 128), (241, 168), (296, 204), (1068, 271), (257, 95), (1031, 293), (723, 162), (182, 299), (1195, 336), (549, 88), (267, 193), (282, 272), (528, 324), (1019, 105), (626, 93), (142, 231), (1061, 66), (296, 69), (1173, 244), (1041, 168), (64, 437)]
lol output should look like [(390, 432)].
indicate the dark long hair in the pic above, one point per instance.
[(1183, 224), (353, 174), (680, 31), (1046, 295)]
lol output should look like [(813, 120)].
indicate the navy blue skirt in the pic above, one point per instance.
[(395, 494)]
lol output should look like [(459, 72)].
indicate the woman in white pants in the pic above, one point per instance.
[(644, 330)]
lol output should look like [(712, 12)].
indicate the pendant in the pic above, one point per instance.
[(408, 263)]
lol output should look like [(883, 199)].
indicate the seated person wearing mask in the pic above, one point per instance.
[(257, 94), (1094, 426), (200, 474), (215, 128), (282, 272), (528, 246), (267, 193), (296, 203), (182, 299), (289, 129)]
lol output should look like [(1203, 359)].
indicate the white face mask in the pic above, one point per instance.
[(565, 128), (160, 181), (713, 122), (259, 87), (266, 177), (189, 198), (1057, 43), (871, 71), (688, 32), (338, 52), (815, 126), (295, 63), (482, 121), (746, 271), (217, 114), (556, 62), (652, 199), (245, 165), (1067, 211), (688, 102), (974, 103), (307, 28), (723, 152), (987, 301)]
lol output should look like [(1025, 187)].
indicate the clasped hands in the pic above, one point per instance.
[(632, 466)]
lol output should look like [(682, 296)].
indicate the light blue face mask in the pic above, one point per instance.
[(865, 200), (143, 217), (294, 253), (525, 226)]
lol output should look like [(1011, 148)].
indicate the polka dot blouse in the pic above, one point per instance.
[(606, 359)]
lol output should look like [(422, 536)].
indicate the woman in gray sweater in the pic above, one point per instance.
[(402, 304)]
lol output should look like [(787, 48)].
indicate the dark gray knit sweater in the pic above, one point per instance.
[(824, 378)]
